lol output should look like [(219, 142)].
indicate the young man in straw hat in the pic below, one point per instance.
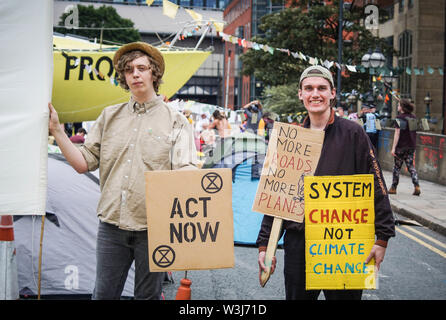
[(126, 140), (346, 150)]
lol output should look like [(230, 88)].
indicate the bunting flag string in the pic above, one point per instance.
[(418, 71), (170, 9)]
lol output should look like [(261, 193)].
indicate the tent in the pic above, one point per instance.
[(244, 153), (69, 237), (241, 142)]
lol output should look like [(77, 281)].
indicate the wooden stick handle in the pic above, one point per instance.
[(271, 249), (40, 258)]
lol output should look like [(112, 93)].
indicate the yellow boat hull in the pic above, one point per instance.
[(83, 81)]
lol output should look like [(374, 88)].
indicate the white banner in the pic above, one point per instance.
[(26, 72)]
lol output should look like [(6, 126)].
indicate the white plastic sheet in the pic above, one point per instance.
[(26, 64)]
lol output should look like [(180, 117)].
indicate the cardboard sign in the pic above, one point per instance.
[(339, 232), (293, 152), (189, 219), (425, 124)]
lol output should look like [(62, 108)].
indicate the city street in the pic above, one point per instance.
[(414, 269)]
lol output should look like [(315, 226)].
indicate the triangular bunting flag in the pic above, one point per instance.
[(170, 9), (149, 2), (218, 25), (196, 16), (351, 68)]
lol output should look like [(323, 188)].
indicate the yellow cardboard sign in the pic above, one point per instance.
[(339, 232), (189, 227), (293, 152)]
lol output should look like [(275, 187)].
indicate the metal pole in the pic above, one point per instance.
[(202, 36), (100, 39), (176, 37), (340, 42), (227, 79), (443, 111)]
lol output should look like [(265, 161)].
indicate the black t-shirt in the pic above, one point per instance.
[(408, 137)]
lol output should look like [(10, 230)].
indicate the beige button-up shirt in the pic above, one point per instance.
[(128, 139)]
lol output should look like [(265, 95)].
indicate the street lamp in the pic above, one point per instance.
[(365, 60), (428, 101), (377, 59)]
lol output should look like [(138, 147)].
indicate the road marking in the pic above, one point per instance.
[(441, 244), (441, 253)]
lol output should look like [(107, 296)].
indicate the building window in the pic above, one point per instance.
[(401, 5), (410, 4), (404, 63)]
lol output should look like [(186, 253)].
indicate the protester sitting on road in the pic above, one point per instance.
[(346, 150), (143, 134)]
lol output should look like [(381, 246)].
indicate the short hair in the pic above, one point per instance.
[(407, 106), (82, 130), (129, 57)]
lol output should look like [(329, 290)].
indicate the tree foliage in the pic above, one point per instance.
[(282, 100), (106, 17), (311, 28)]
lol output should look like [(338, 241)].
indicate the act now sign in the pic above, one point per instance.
[(189, 219), (339, 232)]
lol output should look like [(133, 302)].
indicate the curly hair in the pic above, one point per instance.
[(129, 57)]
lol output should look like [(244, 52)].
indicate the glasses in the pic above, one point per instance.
[(141, 68)]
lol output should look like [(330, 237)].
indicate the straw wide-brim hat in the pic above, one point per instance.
[(144, 47)]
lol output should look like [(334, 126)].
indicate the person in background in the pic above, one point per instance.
[(199, 124), (369, 117), (266, 126), (253, 112), (221, 124), (341, 113), (208, 138), (79, 137), (188, 114), (404, 143), (352, 115)]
